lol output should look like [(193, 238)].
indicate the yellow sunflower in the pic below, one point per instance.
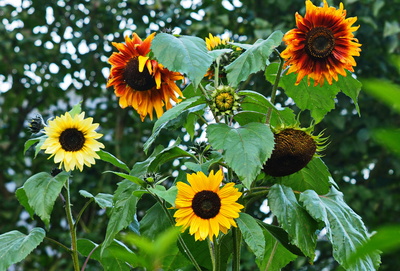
[(215, 42), (139, 81), (72, 141), (323, 44), (204, 207)]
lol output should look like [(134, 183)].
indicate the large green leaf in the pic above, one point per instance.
[(345, 229), (42, 190), (252, 234), (23, 200), (351, 87), (108, 157), (15, 246), (388, 138), (314, 176), (294, 219), (154, 222), (254, 59), (276, 255), (115, 257), (123, 212), (185, 54), (165, 120), (245, 148)]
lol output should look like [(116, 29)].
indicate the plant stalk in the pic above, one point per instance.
[(275, 88), (72, 229), (237, 236)]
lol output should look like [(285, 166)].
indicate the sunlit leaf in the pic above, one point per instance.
[(168, 195), (15, 246), (383, 90), (254, 59), (245, 148), (388, 138), (185, 54), (344, 227)]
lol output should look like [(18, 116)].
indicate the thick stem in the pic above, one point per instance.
[(274, 89), (237, 236), (215, 254), (72, 229)]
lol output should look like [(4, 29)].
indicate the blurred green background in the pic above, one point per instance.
[(54, 54)]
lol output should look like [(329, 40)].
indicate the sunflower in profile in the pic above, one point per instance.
[(72, 141), (141, 82), (323, 44), (204, 207)]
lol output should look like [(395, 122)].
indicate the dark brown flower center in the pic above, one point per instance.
[(293, 150), (320, 42), (72, 139), (137, 80), (206, 204)]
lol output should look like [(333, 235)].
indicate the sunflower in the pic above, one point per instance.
[(206, 208), (323, 44), (139, 81), (225, 100), (72, 141)]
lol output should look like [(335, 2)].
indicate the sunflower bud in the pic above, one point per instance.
[(36, 124), (224, 100), (294, 149)]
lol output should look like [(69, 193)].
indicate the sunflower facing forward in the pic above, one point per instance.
[(204, 207), (139, 81), (72, 141), (323, 44)]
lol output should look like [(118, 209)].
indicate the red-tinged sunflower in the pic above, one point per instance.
[(323, 44), (140, 81), (206, 208)]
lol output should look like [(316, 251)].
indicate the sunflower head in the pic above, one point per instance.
[(206, 208), (225, 100), (72, 141), (323, 44), (140, 81), (216, 43), (294, 149)]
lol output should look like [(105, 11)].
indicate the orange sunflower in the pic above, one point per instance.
[(323, 44), (139, 81)]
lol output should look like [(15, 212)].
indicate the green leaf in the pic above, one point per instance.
[(123, 212), (245, 148), (314, 176), (23, 200), (154, 222), (103, 200), (167, 195), (108, 157), (115, 257), (344, 227), (252, 234), (42, 190), (30, 142), (131, 178), (167, 117), (77, 109), (276, 255), (204, 167), (185, 54), (383, 90), (300, 226), (351, 87), (284, 117), (199, 250), (168, 154), (15, 246), (254, 107), (389, 138), (254, 59)]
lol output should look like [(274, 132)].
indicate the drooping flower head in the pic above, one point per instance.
[(72, 141), (216, 43), (141, 82), (206, 208), (294, 148), (323, 44)]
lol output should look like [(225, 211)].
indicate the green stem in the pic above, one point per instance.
[(212, 253), (57, 243), (215, 254), (275, 88), (81, 212), (208, 101), (72, 229), (180, 239), (237, 237)]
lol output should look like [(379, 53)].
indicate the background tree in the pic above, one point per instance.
[(55, 53)]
